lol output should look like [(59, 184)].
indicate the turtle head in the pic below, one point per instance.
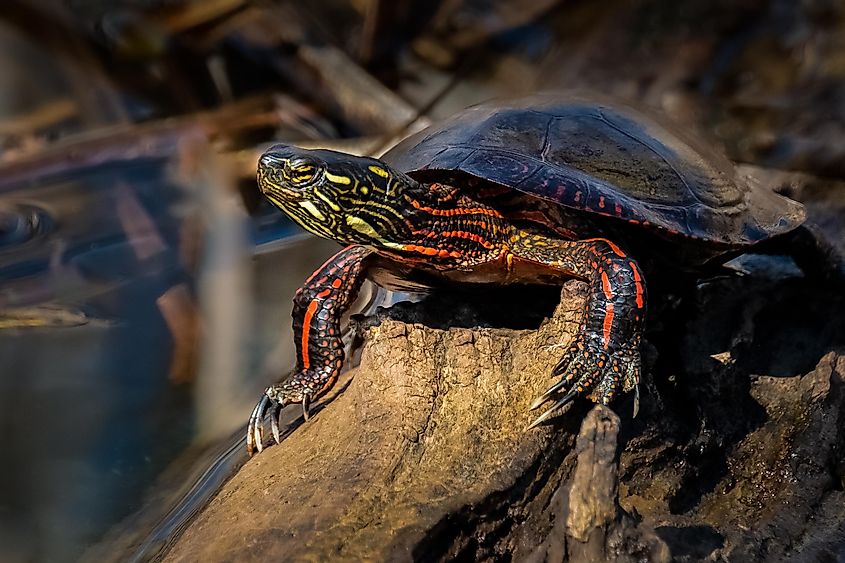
[(350, 199)]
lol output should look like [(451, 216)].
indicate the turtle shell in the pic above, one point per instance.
[(604, 158)]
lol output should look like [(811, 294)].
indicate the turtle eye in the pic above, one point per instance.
[(300, 171)]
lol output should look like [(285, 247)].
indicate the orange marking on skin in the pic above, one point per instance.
[(608, 323), (469, 236), (638, 285), (605, 286), (616, 249), (428, 251), (328, 384), (337, 283), (457, 211), (306, 328), (326, 263)]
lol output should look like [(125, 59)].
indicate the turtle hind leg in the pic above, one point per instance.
[(603, 358), (816, 255), (811, 250)]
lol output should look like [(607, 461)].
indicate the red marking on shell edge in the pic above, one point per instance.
[(601, 201), (617, 208), (306, 328), (577, 196)]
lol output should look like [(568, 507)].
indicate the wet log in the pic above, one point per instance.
[(735, 455)]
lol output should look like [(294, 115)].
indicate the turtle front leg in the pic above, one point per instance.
[(317, 308), (604, 356)]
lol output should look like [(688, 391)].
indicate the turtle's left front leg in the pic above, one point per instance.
[(604, 357), (317, 308)]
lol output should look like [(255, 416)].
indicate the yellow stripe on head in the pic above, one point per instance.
[(358, 224), (312, 209), (321, 195), (338, 179), (379, 170)]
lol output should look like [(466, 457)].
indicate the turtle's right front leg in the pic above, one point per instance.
[(317, 308)]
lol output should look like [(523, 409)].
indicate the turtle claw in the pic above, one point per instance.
[(306, 404), (589, 369), (274, 399), (548, 394), (568, 398), (254, 430), (274, 423)]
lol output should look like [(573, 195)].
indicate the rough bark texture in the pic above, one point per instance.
[(431, 426), (736, 453), (590, 524)]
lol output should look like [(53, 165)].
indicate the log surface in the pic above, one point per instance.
[(736, 453)]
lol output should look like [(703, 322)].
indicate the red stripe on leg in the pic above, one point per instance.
[(605, 285), (608, 323), (321, 268), (306, 328), (638, 283), (615, 249)]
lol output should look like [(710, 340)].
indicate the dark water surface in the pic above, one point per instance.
[(100, 372)]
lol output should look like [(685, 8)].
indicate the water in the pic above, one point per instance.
[(105, 277)]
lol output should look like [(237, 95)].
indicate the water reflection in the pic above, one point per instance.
[(99, 339)]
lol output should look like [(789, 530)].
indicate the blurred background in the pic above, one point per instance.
[(145, 286)]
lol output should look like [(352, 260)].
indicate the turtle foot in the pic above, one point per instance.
[(587, 369), (299, 389)]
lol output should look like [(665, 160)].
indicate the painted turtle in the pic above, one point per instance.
[(535, 190)]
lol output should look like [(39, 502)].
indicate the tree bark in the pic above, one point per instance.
[(423, 454)]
